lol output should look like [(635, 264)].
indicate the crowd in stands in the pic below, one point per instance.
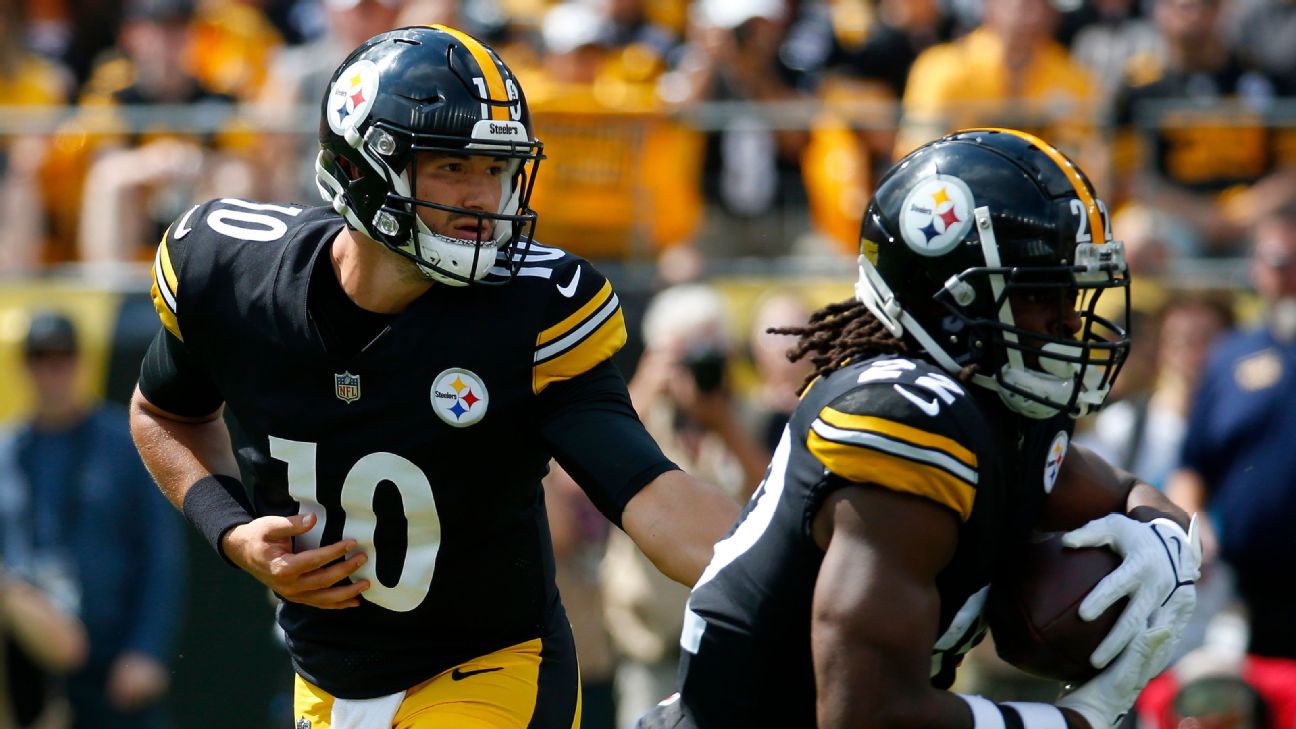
[(693, 131), (726, 127)]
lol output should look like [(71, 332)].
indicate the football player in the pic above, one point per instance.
[(395, 405), (932, 438)]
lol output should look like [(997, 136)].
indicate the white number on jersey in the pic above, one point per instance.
[(422, 523)]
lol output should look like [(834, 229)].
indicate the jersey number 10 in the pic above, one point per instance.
[(422, 523)]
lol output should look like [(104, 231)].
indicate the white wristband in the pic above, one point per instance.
[(986, 714), (1038, 716)]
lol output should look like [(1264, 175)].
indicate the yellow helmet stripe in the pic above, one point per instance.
[(1096, 227), (489, 69)]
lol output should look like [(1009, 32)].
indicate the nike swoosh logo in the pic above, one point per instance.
[(182, 228), (931, 408), (459, 675), (570, 289)]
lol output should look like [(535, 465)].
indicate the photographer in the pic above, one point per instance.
[(681, 391)]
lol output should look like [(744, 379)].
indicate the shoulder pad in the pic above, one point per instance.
[(202, 229), (900, 424), (582, 323)]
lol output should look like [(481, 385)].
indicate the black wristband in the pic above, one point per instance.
[(216, 504)]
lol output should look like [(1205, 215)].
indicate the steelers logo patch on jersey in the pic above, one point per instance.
[(352, 96), (1053, 461), (459, 397), (936, 214)]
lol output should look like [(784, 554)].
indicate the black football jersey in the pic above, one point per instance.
[(427, 445), (894, 422)]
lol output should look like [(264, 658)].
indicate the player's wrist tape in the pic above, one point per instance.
[(986, 714), (216, 504)]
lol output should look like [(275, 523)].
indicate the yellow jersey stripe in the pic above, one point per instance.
[(163, 291), (489, 70), (608, 336), (864, 465), (1096, 227), (900, 432), (566, 325)]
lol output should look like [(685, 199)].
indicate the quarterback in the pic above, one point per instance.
[(932, 438), (397, 369)]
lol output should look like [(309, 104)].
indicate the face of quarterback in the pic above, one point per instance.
[(471, 182)]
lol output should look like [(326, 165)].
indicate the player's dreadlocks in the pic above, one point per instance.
[(838, 332)]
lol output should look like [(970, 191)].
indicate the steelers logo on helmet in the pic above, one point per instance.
[(936, 214), (459, 397), (352, 96)]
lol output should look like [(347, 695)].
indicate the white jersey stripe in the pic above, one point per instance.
[(905, 450), (574, 337)]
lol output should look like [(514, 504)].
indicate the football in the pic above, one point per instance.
[(1033, 608)]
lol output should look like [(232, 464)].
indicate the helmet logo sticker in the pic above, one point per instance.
[(936, 214), (459, 397), (352, 96), (1053, 461)]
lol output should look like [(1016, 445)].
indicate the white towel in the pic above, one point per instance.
[(376, 713)]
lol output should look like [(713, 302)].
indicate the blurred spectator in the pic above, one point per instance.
[(1263, 38), (899, 32), (630, 25), (1237, 461), (579, 534), (426, 12), (1218, 686), (621, 179), (778, 378), (1208, 161), (1117, 35), (231, 45), (298, 78), (40, 639), (138, 182), (681, 392), (752, 172), (26, 80), (1142, 433), (1148, 237), (76, 489), (851, 140), (1007, 72)]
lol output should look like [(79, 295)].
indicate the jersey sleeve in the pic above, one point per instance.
[(907, 433), (168, 265), (594, 432), (582, 324)]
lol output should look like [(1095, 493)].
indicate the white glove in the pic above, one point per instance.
[(1105, 699), (1160, 565)]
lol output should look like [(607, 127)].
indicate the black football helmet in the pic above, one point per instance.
[(962, 223), (428, 89)]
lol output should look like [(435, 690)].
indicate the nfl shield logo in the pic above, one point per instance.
[(304, 723), (347, 387)]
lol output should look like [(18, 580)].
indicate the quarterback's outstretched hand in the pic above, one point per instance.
[(263, 547), (1160, 566)]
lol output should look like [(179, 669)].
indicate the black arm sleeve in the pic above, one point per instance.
[(173, 379), (595, 434)]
